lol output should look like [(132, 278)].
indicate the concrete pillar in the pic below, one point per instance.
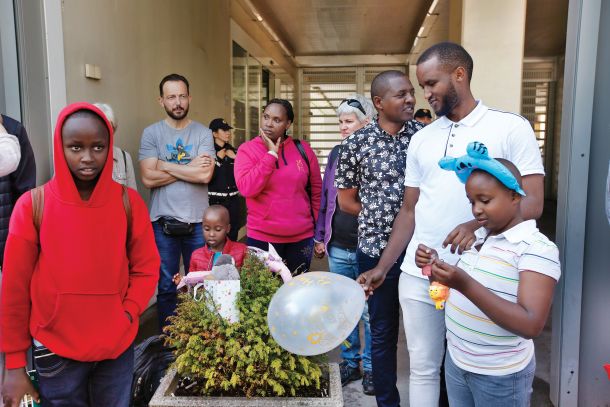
[(493, 33)]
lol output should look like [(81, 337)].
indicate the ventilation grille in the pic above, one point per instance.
[(322, 91)]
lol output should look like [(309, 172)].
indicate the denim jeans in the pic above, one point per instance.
[(171, 248), (425, 330), (343, 261), (467, 389), (297, 255), (69, 383), (384, 319)]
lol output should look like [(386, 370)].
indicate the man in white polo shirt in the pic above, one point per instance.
[(435, 210)]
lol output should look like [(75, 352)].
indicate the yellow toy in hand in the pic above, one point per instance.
[(424, 257), (439, 294)]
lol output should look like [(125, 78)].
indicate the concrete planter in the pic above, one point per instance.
[(163, 398)]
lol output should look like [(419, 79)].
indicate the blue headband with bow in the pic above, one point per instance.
[(477, 158)]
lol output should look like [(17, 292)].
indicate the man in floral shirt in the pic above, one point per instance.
[(370, 178)]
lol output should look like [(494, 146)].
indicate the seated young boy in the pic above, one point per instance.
[(76, 275), (215, 226), (501, 292)]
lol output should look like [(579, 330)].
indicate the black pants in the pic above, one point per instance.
[(296, 255), (232, 205), (384, 317)]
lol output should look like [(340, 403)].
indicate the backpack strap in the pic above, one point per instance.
[(127, 206), (37, 206), (308, 186)]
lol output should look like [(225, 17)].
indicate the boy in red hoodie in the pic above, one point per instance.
[(76, 287)]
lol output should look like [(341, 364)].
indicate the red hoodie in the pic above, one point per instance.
[(72, 295)]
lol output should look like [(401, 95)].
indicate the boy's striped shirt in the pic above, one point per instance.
[(475, 343)]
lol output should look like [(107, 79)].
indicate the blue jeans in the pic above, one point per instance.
[(343, 261), (467, 389), (171, 248), (69, 383), (384, 317), (296, 255)]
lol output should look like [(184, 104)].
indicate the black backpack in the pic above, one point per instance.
[(151, 360)]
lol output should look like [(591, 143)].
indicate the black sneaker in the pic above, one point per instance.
[(368, 387), (348, 373)]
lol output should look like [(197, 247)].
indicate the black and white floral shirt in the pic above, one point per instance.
[(374, 161)]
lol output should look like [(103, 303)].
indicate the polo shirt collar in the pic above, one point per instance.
[(473, 117), (516, 234)]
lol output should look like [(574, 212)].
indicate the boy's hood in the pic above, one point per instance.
[(62, 182)]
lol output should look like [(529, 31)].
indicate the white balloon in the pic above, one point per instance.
[(315, 312)]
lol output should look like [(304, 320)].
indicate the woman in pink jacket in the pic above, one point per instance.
[(280, 179)]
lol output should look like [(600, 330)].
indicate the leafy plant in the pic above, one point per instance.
[(216, 358)]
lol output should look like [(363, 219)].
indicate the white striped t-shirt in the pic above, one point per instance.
[(475, 343)]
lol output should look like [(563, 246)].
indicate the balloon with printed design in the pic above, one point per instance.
[(315, 312)]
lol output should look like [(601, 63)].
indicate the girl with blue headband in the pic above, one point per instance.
[(500, 290)]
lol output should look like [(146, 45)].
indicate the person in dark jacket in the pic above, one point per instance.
[(19, 181), (222, 190), (336, 233)]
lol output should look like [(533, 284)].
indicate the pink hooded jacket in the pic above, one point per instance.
[(279, 208)]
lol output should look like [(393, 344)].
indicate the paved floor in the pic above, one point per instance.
[(352, 393)]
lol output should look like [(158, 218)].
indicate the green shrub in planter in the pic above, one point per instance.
[(240, 359)]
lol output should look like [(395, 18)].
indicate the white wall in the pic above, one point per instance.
[(136, 43), (493, 32)]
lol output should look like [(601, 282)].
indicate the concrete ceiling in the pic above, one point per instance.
[(326, 28), (347, 27)]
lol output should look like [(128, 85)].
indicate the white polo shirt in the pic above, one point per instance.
[(442, 203), (476, 344)]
